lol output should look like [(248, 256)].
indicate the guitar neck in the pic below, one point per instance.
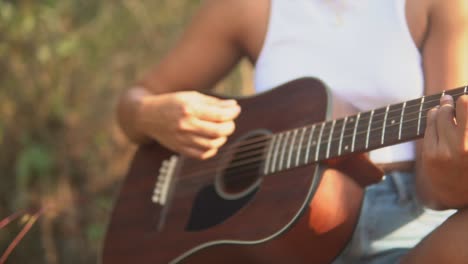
[(359, 133)]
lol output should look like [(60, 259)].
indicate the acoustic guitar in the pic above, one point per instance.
[(287, 187)]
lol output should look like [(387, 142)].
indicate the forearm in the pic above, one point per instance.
[(442, 163), (442, 159), (428, 195)]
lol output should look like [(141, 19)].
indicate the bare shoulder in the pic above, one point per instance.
[(450, 13), (445, 58), (245, 21), (220, 33), (234, 14)]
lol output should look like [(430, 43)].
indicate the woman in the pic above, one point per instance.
[(362, 50)]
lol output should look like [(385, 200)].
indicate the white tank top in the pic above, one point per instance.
[(362, 50)]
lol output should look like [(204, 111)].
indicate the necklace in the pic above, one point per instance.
[(338, 8)]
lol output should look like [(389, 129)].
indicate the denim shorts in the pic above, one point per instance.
[(392, 221)]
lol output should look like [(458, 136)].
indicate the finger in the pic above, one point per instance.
[(204, 143), (462, 114), (198, 153), (211, 100), (445, 120), (216, 113), (212, 129), (431, 137), (462, 120), (446, 99)]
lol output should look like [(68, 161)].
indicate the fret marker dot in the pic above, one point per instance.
[(346, 147), (393, 122), (351, 120), (314, 142)]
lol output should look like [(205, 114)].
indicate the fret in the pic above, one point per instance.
[(291, 148), (354, 132), (330, 137), (401, 120), (420, 114), (378, 127), (455, 93), (361, 131), (268, 157), (309, 141), (336, 138), (319, 142), (410, 122), (301, 138), (283, 151), (275, 153), (369, 128), (323, 144), (384, 125), (340, 145), (428, 103), (392, 124), (365, 131), (347, 136)]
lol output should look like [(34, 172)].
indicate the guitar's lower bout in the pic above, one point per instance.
[(318, 236), (293, 216)]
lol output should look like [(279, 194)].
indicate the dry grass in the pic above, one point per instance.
[(62, 66)]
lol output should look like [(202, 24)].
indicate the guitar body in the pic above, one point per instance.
[(301, 215)]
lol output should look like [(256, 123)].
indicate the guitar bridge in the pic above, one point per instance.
[(161, 188)]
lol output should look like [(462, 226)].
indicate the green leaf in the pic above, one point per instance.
[(43, 54), (34, 161), (49, 3), (67, 46), (28, 24), (95, 232), (6, 11)]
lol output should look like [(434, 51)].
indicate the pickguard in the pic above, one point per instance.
[(209, 209)]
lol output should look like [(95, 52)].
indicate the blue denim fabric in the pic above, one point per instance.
[(392, 222)]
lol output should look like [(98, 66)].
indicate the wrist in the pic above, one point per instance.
[(437, 191), (145, 103), (130, 113)]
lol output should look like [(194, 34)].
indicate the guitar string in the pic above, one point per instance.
[(203, 176), (322, 142), (199, 175), (240, 176), (256, 159), (249, 145), (327, 133), (363, 119)]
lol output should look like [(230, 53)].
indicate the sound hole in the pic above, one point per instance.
[(242, 172), (235, 185)]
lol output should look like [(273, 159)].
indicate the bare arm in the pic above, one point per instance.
[(442, 177), (189, 122)]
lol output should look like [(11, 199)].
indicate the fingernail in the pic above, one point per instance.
[(446, 99), (230, 102)]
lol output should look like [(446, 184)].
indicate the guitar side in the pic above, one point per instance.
[(301, 215)]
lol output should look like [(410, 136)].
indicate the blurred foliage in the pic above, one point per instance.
[(62, 66)]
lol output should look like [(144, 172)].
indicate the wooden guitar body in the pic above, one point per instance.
[(298, 215)]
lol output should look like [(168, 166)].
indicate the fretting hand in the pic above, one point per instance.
[(444, 170)]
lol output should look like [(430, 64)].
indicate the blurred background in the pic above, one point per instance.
[(63, 64)]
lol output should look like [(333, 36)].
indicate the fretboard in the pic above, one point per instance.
[(363, 132)]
